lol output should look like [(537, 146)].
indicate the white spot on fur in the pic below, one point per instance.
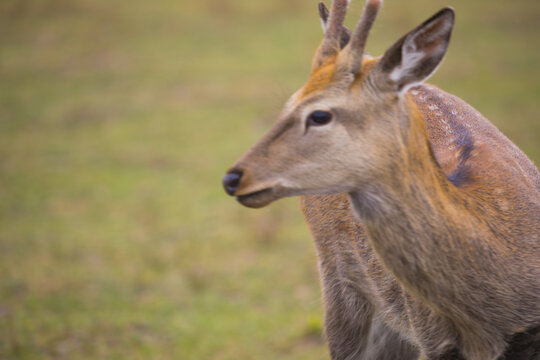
[(443, 345), (433, 107), (503, 204), (415, 92)]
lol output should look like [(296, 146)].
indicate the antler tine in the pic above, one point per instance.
[(333, 31), (361, 32)]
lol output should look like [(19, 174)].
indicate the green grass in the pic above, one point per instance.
[(117, 121)]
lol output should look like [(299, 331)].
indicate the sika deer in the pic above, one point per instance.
[(426, 218)]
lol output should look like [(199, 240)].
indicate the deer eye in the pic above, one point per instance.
[(319, 118)]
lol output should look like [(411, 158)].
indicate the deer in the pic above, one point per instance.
[(425, 217)]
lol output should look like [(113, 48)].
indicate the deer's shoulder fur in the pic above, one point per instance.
[(467, 147)]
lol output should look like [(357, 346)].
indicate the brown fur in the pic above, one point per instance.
[(321, 77), (429, 244), (337, 232)]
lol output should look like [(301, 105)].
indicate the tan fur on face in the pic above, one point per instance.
[(321, 77), (324, 76)]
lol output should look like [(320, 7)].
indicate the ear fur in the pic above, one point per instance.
[(324, 13), (416, 56)]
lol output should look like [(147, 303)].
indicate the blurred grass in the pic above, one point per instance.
[(117, 120)]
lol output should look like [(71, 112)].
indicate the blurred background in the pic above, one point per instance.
[(117, 121)]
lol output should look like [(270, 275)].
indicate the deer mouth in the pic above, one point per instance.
[(257, 199)]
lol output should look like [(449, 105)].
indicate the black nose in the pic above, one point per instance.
[(231, 181)]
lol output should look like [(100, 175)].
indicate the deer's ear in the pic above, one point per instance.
[(324, 14), (416, 56)]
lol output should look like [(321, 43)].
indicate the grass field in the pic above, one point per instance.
[(117, 121)]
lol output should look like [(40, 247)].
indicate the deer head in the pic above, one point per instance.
[(342, 130)]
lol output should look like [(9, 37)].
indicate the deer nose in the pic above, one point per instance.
[(231, 181)]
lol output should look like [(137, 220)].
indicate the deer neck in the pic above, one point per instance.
[(410, 212)]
